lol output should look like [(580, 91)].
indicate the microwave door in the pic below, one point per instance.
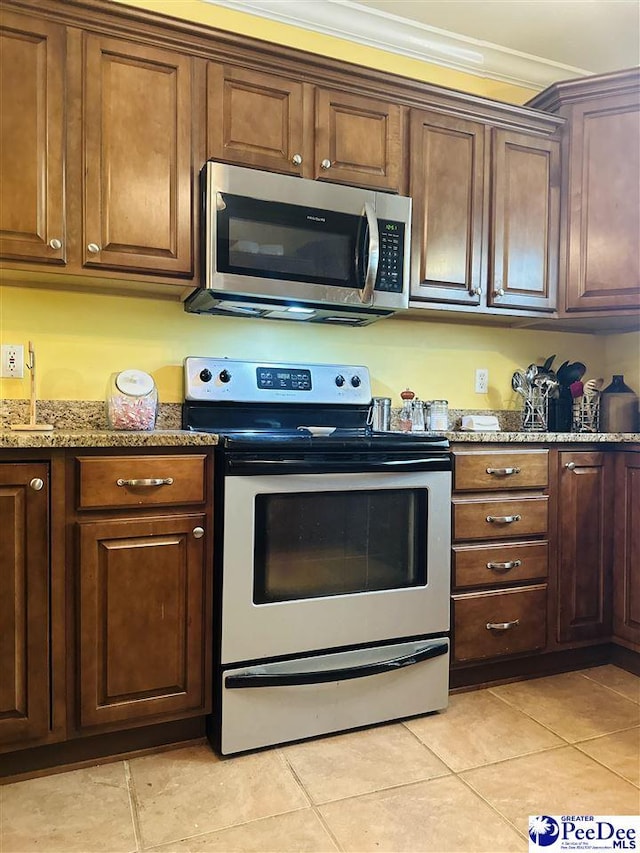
[(368, 253)]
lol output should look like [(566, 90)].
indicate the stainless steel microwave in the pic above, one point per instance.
[(288, 248)]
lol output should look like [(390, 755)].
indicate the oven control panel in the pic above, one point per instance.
[(233, 380)]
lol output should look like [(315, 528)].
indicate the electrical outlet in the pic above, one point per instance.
[(482, 380), (12, 361)]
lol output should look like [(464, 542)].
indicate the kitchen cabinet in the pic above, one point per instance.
[(584, 546), (144, 575), (96, 182), (499, 553), (485, 216), (601, 189), (626, 560), (24, 604), (281, 124), (32, 117)]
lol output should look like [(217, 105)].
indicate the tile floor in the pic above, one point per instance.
[(463, 780)]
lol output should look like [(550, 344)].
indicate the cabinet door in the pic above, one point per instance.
[(447, 186), (626, 564), (142, 644), (137, 136), (254, 119), (24, 603), (603, 202), (585, 504), (525, 221), (358, 140), (32, 218)]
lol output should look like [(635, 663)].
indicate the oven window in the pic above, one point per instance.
[(333, 543)]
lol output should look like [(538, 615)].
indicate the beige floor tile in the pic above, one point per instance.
[(359, 762), (620, 752), (440, 815), (191, 791), (478, 728), (571, 705), (559, 781), (83, 810), (295, 832), (617, 679)]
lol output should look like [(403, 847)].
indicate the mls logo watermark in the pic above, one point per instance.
[(583, 832)]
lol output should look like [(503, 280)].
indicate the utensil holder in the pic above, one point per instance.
[(535, 414), (586, 414)]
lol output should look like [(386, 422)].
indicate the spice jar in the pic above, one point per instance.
[(132, 401)]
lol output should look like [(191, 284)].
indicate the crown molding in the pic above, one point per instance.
[(352, 21)]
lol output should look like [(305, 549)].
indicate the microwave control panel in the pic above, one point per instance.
[(391, 261)]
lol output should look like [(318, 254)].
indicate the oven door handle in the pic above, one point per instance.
[(317, 467), (290, 679)]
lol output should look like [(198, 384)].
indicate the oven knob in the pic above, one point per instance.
[(224, 376), (339, 381), (355, 381), (206, 375)]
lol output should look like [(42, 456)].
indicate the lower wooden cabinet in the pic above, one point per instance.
[(24, 603), (503, 622), (626, 561), (584, 545), (142, 587)]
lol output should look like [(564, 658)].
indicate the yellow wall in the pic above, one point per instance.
[(82, 338), (622, 355)]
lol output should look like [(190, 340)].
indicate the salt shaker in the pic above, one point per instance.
[(417, 416)]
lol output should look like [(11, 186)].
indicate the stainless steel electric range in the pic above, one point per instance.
[(332, 553)]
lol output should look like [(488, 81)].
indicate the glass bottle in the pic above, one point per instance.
[(439, 416), (406, 412)]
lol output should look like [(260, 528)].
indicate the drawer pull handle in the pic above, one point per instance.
[(503, 472), (503, 519), (504, 567), (155, 481), (502, 626)]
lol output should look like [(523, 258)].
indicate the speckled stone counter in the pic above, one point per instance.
[(106, 438), (545, 437)]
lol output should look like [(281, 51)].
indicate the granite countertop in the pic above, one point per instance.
[(106, 438), (545, 437), (183, 438)]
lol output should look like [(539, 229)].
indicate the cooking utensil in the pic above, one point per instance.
[(519, 383)]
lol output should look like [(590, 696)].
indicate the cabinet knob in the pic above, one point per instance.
[(502, 626), (326, 164), (54, 243), (36, 484), (499, 291), (93, 248), (475, 291), (570, 465), (297, 159), (198, 532)]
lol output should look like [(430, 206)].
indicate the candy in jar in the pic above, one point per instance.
[(132, 401)]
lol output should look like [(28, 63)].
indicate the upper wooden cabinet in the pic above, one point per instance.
[(32, 112), (24, 604), (254, 119), (486, 214), (601, 189), (137, 145), (283, 125), (96, 164)]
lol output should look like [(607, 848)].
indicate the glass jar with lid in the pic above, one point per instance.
[(132, 401), (439, 416)]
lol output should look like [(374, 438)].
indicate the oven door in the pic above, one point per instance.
[(321, 561)]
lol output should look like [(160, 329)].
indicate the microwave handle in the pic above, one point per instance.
[(374, 254)]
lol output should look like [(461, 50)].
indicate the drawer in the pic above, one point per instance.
[(500, 518), (500, 469), (501, 563), (121, 481), (521, 615)]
